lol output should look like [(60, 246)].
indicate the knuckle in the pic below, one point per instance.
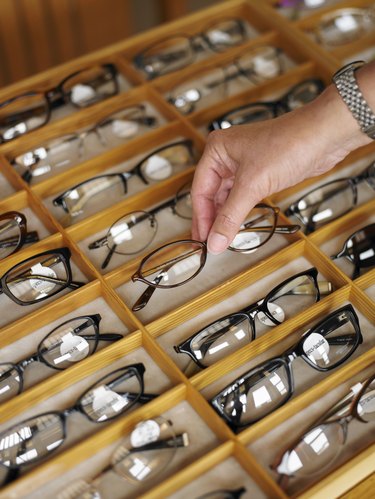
[(227, 221)]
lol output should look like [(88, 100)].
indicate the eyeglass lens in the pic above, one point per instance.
[(37, 278), (345, 26), (22, 115), (10, 236), (319, 447)]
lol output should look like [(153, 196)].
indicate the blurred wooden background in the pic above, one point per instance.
[(38, 34)]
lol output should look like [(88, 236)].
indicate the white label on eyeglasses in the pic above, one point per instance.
[(316, 347), (14, 131), (276, 312), (265, 67), (314, 3), (121, 233), (145, 433), (72, 349), (41, 285), (346, 23), (366, 254), (81, 93), (218, 36), (106, 402), (366, 404), (124, 128), (246, 240), (158, 168)]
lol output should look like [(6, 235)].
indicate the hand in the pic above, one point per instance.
[(244, 164)]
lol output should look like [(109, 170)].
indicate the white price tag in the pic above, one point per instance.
[(366, 404), (158, 168), (218, 36), (314, 3), (346, 23), (124, 128), (316, 347), (41, 285), (268, 68), (73, 348), (121, 233), (276, 311), (107, 402), (145, 433), (246, 240), (81, 93)]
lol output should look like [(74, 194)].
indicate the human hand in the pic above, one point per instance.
[(244, 164)]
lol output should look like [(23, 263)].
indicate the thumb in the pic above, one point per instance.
[(230, 217)]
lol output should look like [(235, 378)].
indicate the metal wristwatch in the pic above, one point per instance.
[(347, 86)]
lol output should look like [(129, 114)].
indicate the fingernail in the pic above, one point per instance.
[(216, 243)]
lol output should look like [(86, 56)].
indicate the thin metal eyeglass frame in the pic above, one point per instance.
[(171, 203), (25, 236)]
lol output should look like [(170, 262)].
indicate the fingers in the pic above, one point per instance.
[(204, 188), (230, 217)]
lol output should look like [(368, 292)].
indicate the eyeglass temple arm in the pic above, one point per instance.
[(31, 237), (149, 291), (72, 284)]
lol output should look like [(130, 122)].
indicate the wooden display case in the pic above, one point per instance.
[(215, 454)]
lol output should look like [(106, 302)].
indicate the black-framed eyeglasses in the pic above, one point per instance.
[(178, 262), (209, 86), (229, 333), (141, 457), (31, 440), (359, 249), (135, 231), (299, 95), (346, 25), (68, 343), (319, 446), (32, 110), (224, 494), (39, 277), (179, 51), (330, 200), (157, 166), (66, 151), (270, 385), (14, 234)]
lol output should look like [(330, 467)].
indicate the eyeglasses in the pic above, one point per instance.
[(135, 231), (66, 151), (231, 332), (178, 262), (359, 249), (345, 26), (67, 344), (14, 234), (302, 93), (299, 6), (224, 494), (270, 385), (330, 200), (33, 439), (318, 448), (179, 51), (141, 457), (39, 277), (32, 110), (209, 86), (157, 166)]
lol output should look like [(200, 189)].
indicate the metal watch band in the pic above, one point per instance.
[(347, 86)]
